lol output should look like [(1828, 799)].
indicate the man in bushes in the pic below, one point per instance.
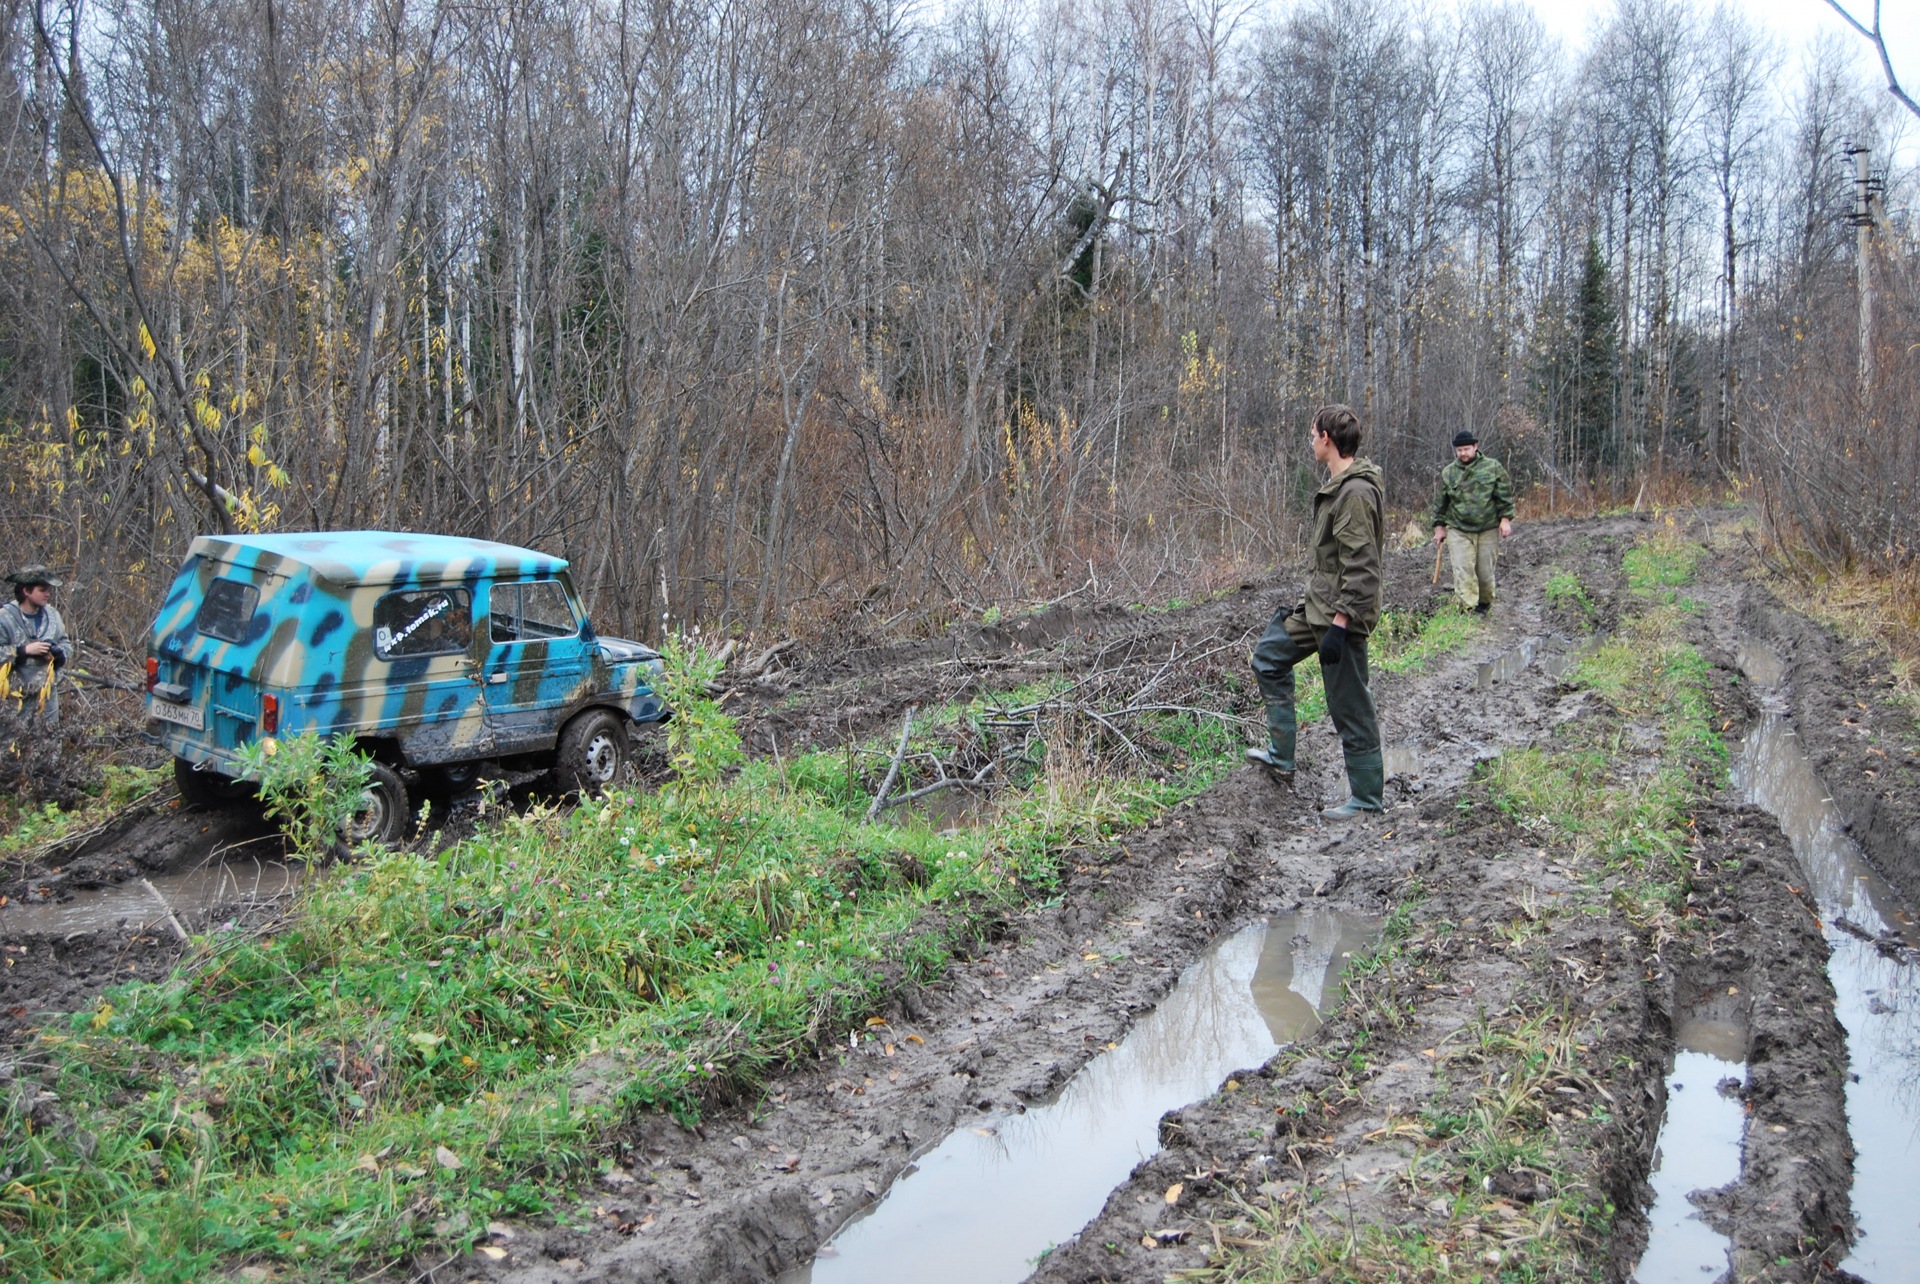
[(1340, 610)]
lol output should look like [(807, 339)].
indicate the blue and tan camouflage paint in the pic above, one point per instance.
[(310, 644)]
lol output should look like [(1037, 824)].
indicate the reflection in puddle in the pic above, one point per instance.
[(988, 1201), (1760, 662), (1878, 999), (1400, 760), (1510, 665), (1699, 1149), (189, 894)]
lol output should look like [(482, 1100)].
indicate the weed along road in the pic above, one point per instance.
[(988, 958)]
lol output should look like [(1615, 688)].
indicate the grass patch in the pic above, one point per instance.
[(1566, 594), (1663, 561), (30, 827)]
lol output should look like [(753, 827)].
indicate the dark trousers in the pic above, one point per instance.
[(1289, 639)]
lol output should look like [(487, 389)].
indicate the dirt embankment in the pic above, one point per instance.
[(1501, 948)]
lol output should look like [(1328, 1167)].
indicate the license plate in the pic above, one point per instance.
[(184, 715)]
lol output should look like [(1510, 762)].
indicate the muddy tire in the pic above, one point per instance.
[(205, 789), (593, 752), (387, 813)]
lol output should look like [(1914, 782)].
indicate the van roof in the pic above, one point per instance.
[(379, 557)]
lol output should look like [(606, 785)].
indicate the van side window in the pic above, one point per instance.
[(227, 610), (531, 612), (422, 622)]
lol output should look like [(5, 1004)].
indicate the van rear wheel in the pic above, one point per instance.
[(592, 753), (384, 817)]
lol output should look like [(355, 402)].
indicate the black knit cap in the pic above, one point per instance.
[(1465, 437)]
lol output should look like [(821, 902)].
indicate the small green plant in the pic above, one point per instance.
[(1566, 593), (990, 616), (1663, 561), (702, 742), (312, 786)]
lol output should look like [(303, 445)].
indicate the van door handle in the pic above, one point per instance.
[(494, 679)]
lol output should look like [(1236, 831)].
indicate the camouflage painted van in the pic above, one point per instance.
[(436, 653)]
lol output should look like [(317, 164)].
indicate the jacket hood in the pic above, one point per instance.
[(1362, 468)]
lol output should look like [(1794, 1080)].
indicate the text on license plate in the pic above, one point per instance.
[(185, 715)]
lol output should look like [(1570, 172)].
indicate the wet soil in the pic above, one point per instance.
[(757, 1188)]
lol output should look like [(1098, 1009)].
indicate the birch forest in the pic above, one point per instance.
[(854, 312)]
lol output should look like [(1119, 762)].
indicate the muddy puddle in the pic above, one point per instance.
[(1878, 996), (191, 896), (1699, 1147), (991, 1200), (1553, 657)]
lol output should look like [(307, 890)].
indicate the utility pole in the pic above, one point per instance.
[(1866, 188)]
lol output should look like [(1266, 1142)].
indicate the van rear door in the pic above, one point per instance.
[(209, 656)]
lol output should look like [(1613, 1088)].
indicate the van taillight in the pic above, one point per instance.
[(269, 714), (153, 673)]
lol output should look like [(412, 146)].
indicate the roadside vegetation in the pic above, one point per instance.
[(431, 1039), (26, 823), (1519, 1102)]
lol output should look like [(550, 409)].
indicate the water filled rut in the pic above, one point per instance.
[(985, 1204), (1878, 994)]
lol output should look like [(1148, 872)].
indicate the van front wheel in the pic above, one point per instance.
[(592, 753), (384, 816)]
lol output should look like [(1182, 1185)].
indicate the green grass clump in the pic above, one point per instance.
[(118, 786), (1565, 593), (1662, 562)]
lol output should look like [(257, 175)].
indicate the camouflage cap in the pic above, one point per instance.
[(36, 574)]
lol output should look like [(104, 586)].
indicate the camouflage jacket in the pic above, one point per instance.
[(1349, 534), (1474, 496), (27, 674)]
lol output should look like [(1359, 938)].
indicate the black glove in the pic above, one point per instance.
[(1333, 644)]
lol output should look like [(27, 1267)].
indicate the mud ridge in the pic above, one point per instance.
[(1865, 746)]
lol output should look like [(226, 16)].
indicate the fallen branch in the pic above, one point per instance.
[(767, 657), (893, 768), (946, 782), (172, 922)]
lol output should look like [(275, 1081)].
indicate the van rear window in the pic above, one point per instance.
[(422, 622), (227, 610)]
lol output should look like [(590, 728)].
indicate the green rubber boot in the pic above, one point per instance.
[(1367, 781), (1277, 757)]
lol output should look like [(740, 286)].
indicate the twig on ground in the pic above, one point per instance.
[(172, 921), (945, 782), (893, 768)]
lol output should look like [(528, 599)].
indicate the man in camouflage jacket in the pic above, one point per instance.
[(33, 645), (1473, 511), (1339, 612)]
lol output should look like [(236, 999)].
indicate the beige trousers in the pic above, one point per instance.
[(1472, 554)]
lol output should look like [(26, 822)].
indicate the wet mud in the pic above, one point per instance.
[(1320, 1117)]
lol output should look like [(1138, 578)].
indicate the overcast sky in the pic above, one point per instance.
[(1796, 24)]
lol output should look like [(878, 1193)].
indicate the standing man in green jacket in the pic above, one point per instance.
[(1473, 513), (1340, 610)]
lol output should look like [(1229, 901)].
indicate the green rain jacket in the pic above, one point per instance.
[(1473, 496), (1349, 534)]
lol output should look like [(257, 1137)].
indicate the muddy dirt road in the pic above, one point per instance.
[(1242, 1041)]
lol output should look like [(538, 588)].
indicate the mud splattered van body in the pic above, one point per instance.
[(434, 652)]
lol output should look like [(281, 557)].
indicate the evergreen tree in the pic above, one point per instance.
[(1593, 374)]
